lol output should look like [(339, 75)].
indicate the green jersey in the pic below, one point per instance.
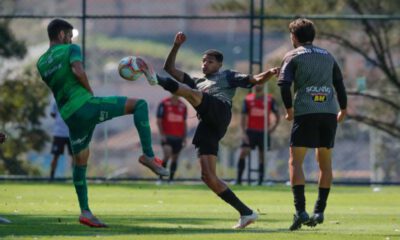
[(55, 69)]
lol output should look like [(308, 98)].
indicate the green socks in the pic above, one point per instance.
[(79, 178), (141, 120)]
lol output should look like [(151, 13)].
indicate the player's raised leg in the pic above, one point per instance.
[(139, 109)]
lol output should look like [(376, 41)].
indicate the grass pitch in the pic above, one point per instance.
[(145, 211)]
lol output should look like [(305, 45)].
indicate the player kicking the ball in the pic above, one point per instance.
[(62, 70), (211, 96)]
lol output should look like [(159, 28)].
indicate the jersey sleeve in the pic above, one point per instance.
[(76, 54), (287, 73), (160, 110), (337, 79), (237, 79)]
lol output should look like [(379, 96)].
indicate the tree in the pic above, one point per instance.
[(376, 41), (23, 102), (23, 99)]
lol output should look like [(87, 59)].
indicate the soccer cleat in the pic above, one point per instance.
[(148, 71), (298, 220), (88, 219), (316, 218), (4, 220), (246, 220), (154, 164)]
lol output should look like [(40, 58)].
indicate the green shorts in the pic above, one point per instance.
[(96, 110)]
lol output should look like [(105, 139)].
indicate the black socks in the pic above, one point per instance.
[(168, 84), (299, 198), (229, 197), (320, 204), (241, 165)]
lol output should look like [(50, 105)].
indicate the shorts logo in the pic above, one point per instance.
[(79, 140), (103, 116)]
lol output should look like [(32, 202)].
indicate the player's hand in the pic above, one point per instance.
[(2, 137), (270, 73), (180, 38), (341, 115), (289, 114)]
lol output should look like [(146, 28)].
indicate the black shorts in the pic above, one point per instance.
[(215, 116), (256, 139), (314, 130), (59, 144), (176, 143)]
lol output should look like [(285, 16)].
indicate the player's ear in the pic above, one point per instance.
[(61, 35)]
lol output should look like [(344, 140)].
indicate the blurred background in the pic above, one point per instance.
[(252, 34)]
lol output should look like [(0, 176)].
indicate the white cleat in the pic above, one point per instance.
[(148, 71), (244, 221)]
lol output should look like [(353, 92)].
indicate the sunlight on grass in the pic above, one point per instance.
[(145, 211)]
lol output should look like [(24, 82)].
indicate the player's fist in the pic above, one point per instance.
[(341, 115), (2, 137), (289, 114), (180, 38)]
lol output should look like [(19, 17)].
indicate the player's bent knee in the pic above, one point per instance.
[(140, 104)]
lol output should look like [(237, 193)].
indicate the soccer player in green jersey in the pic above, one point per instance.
[(62, 70)]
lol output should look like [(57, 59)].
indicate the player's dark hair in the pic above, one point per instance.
[(215, 53), (303, 29), (56, 26)]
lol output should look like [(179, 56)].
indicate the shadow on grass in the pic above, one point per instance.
[(30, 225)]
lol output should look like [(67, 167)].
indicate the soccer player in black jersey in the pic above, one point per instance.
[(318, 88), (211, 96)]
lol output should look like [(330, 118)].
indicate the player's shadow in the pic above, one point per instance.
[(41, 226)]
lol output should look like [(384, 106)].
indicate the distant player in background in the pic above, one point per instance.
[(316, 77), (61, 68), (252, 123), (2, 140), (211, 96), (171, 121), (60, 139)]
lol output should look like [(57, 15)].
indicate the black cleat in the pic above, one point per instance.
[(316, 218), (298, 220)]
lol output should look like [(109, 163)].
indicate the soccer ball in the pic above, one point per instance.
[(128, 68)]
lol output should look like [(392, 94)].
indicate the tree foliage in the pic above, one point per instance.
[(376, 41), (9, 45), (23, 99)]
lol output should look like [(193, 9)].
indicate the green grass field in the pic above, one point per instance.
[(146, 211)]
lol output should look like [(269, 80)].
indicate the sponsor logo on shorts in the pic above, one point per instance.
[(79, 140), (103, 116)]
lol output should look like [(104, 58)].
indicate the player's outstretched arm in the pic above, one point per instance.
[(263, 77), (79, 72), (169, 65)]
